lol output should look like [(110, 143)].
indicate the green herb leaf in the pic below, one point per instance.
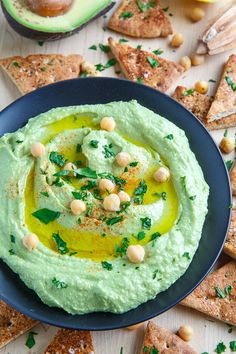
[(43, 69), (93, 47), (89, 209), (219, 293), (13, 239), (19, 141), (226, 133), (139, 46), (108, 152), (146, 223), (89, 185), (140, 191), (230, 83), (133, 164), (121, 350), (78, 147), (232, 346), (153, 62), (123, 247), (169, 137), (104, 48), (165, 9), (183, 182), (107, 265), (145, 349), (30, 342), (11, 252), (59, 284), (62, 173), (80, 195), (16, 64), (140, 80), (230, 329), (40, 43), (141, 235), (59, 160), (154, 350), (126, 14), (186, 255), (158, 51), (61, 245), (46, 215), (114, 221), (228, 289), (188, 92), (220, 348), (146, 6), (86, 172), (45, 194), (162, 195), (193, 197), (57, 182), (123, 40), (94, 143), (211, 80), (229, 164)]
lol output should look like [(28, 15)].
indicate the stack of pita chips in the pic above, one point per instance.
[(141, 19), (145, 67), (37, 70)]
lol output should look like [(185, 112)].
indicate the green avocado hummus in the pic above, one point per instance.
[(81, 262)]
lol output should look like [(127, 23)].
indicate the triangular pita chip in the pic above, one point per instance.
[(141, 19), (71, 341), (216, 295), (161, 341), (224, 103), (38, 70), (199, 105), (12, 324), (145, 67), (230, 244), (233, 179)]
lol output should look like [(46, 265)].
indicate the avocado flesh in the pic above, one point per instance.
[(81, 12)]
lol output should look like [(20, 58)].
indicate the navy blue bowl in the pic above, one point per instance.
[(104, 90)]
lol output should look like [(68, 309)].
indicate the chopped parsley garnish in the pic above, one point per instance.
[(211, 80), (232, 346), (61, 245), (19, 141), (124, 206), (45, 194), (11, 252), (30, 342), (220, 348), (114, 221), (188, 92), (40, 43), (93, 47), (226, 133), (80, 195), (183, 182), (94, 143), (119, 181), (158, 51), (57, 159), (145, 349), (153, 62), (154, 350), (154, 237), (186, 255), (43, 69), (62, 173), (123, 247), (13, 239), (165, 9), (228, 289), (133, 164), (46, 215), (146, 6), (15, 64), (229, 164), (126, 14), (140, 80), (141, 235), (96, 194), (139, 192), (230, 328), (230, 83), (59, 284), (89, 185), (101, 67), (108, 152), (146, 223), (123, 40), (86, 172), (169, 137), (107, 265), (155, 274), (78, 147), (104, 48), (193, 197), (162, 195), (89, 209), (57, 182), (139, 46), (220, 293)]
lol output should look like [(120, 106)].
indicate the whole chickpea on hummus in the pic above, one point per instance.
[(100, 200)]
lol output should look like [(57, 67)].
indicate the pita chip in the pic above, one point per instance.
[(224, 103), (141, 19), (199, 105), (38, 70), (12, 324), (230, 244), (161, 341), (71, 341), (233, 179), (145, 67), (216, 295)]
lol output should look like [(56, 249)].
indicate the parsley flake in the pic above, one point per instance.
[(59, 284), (30, 342), (107, 265), (153, 62), (46, 215), (61, 245), (141, 235), (126, 14), (59, 160), (220, 348), (146, 223), (114, 221), (230, 83), (188, 92), (94, 143), (232, 346)]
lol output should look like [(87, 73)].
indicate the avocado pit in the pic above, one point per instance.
[(49, 8)]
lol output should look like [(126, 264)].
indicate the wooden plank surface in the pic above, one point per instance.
[(207, 333)]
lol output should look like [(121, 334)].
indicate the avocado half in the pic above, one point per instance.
[(31, 25)]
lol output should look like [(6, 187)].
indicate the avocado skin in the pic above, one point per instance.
[(46, 36)]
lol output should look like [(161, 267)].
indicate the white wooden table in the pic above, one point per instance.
[(207, 333)]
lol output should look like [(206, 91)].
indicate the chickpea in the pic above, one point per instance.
[(123, 159), (77, 207), (162, 175), (197, 59), (105, 184), (30, 241), (185, 62), (227, 145), (177, 40), (136, 326), (201, 86), (111, 202), (197, 14), (108, 123), (124, 197), (37, 149), (185, 333), (135, 253)]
